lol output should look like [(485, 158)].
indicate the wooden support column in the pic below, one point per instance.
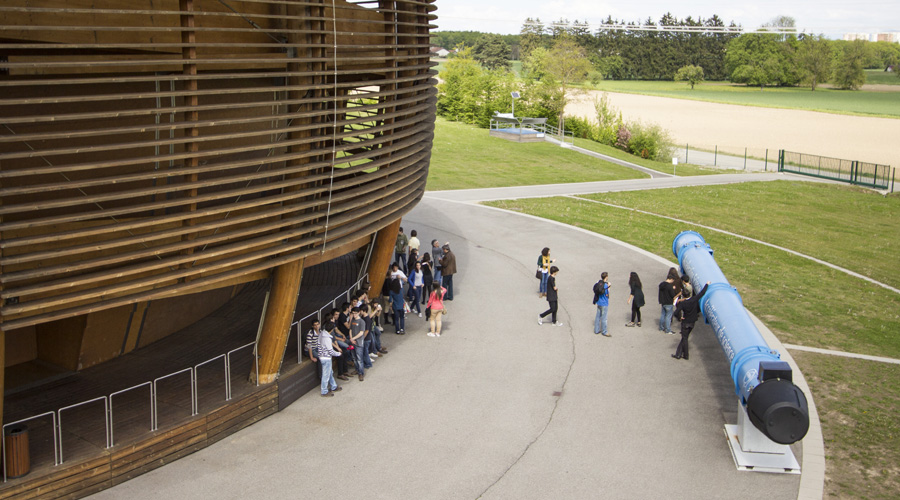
[(277, 321), (2, 372), (382, 255)]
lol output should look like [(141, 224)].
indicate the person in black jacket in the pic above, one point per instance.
[(691, 309), (552, 298)]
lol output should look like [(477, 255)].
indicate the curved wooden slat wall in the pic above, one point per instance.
[(157, 151)]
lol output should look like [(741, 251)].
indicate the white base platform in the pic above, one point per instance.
[(780, 463)]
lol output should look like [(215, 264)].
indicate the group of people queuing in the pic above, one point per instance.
[(349, 334), (416, 280), (676, 298)]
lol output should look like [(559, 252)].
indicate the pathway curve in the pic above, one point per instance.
[(500, 407)]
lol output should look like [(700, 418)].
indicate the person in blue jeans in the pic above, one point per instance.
[(396, 294), (326, 351), (667, 292), (601, 298)]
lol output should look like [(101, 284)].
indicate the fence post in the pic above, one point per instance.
[(766, 166), (716, 156), (780, 160), (685, 153), (745, 158), (893, 176)]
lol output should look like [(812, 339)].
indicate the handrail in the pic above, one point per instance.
[(154, 410), (56, 449), (197, 380), (105, 421), (228, 369), (111, 440), (156, 395)]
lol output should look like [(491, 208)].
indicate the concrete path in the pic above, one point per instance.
[(500, 407)]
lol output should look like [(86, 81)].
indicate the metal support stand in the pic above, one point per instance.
[(753, 451)]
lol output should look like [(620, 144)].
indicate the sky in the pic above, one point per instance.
[(830, 17)]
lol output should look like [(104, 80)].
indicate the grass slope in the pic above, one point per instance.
[(466, 157)]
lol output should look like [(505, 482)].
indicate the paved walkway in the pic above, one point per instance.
[(500, 407)]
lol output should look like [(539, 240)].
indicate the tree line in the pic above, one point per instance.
[(635, 53)]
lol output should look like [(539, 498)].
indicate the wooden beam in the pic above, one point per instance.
[(277, 320), (382, 255)]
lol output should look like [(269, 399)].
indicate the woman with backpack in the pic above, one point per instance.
[(427, 277)]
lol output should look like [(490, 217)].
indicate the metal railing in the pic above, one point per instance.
[(333, 304), (152, 412), (108, 419), (854, 172), (105, 400)]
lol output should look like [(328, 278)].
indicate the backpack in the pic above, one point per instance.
[(598, 289)]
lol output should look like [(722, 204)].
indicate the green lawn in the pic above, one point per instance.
[(801, 301), (886, 104), (880, 77), (803, 216), (465, 157)]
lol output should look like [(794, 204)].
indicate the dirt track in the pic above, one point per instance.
[(732, 128)]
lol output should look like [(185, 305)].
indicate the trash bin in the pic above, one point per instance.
[(18, 461)]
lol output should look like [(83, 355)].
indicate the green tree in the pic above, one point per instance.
[(534, 66), (491, 51), (566, 63), (531, 37), (848, 71), (756, 59), (814, 59), (691, 74)]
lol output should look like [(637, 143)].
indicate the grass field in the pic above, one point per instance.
[(879, 77), (865, 103), (801, 301), (466, 157)]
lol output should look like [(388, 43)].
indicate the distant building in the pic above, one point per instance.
[(439, 52), (856, 36), (887, 37)]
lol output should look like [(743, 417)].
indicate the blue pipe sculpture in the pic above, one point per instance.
[(763, 382)]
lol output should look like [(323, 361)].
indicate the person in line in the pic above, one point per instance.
[(636, 298), (601, 298), (667, 292), (400, 249), (448, 269), (357, 339), (327, 350), (397, 304), (427, 277), (437, 253), (414, 243), (342, 339), (373, 324), (436, 304), (686, 291), (543, 263), (312, 346), (416, 285), (552, 298), (691, 309)]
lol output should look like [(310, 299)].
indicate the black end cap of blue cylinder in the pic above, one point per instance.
[(778, 408)]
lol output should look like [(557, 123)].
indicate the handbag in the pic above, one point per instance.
[(538, 273), (427, 313), (406, 308)]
